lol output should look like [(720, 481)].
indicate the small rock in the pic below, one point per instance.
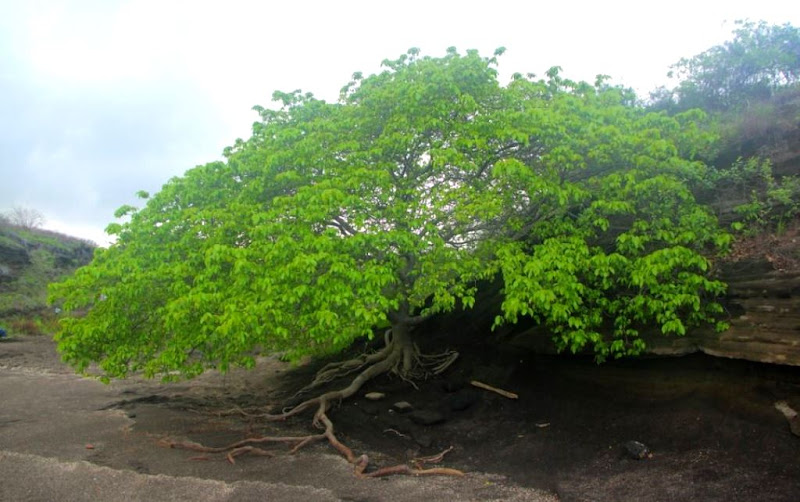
[(791, 415), (424, 440), (371, 409), (637, 450), (426, 417), (451, 385), (461, 400), (794, 426), (402, 407), (374, 396)]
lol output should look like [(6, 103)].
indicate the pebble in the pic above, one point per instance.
[(402, 407), (461, 400), (424, 440), (374, 396), (791, 415)]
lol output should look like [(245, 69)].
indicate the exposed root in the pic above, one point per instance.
[(432, 459), (399, 356), (334, 371), (415, 469), (410, 471), (436, 364)]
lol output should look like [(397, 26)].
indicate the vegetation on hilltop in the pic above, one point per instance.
[(750, 87)]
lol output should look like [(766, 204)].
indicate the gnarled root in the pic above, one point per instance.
[(398, 356), (340, 369)]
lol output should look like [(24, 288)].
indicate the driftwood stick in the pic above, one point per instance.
[(502, 392)]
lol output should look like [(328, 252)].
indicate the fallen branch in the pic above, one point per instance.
[(502, 392)]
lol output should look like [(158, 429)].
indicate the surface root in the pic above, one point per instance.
[(393, 358)]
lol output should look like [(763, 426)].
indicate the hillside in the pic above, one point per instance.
[(29, 260)]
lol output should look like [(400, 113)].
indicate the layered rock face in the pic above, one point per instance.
[(764, 309)]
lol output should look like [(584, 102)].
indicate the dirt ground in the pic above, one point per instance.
[(710, 425)]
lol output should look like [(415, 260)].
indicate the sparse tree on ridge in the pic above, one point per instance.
[(365, 217), (759, 61), (25, 217)]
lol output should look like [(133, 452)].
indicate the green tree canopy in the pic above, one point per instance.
[(760, 60), (336, 220)]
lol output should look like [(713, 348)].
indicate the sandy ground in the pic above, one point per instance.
[(70, 439), (711, 426)]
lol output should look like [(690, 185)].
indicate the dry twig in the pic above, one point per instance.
[(502, 392)]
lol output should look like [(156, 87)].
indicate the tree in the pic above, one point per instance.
[(25, 217), (759, 61), (337, 221), (750, 87)]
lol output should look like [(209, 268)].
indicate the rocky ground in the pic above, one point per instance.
[(710, 427)]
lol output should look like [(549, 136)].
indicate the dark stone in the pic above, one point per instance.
[(637, 450), (451, 385), (369, 408), (426, 417), (794, 425), (424, 440), (398, 423), (461, 400)]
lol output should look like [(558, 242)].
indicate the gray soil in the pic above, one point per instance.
[(710, 425)]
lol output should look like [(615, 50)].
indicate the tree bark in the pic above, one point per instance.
[(402, 345)]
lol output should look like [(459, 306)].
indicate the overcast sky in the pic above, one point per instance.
[(102, 98)]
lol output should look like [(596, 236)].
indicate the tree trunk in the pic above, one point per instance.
[(402, 344)]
